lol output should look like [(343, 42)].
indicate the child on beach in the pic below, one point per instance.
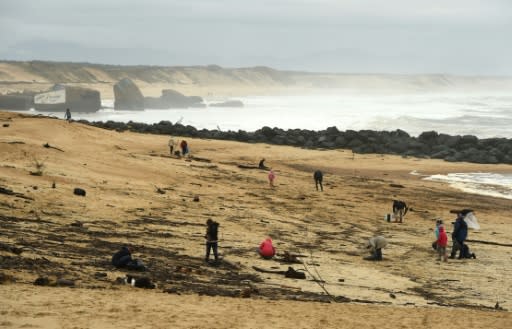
[(442, 242), (267, 249), (271, 178)]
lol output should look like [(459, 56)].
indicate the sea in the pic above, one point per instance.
[(484, 115)]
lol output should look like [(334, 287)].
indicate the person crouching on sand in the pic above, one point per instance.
[(271, 178), (375, 245), (266, 249)]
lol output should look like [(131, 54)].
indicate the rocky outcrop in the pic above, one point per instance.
[(17, 101), (127, 96), (232, 103), (60, 98), (428, 145), (171, 99)]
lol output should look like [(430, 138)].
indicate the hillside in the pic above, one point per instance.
[(137, 194), (215, 80)]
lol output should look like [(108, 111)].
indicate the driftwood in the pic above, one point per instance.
[(491, 243), (195, 158), (290, 273), (396, 185), (52, 147), (10, 192), (246, 166)]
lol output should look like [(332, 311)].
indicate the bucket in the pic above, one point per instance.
[(388, 217)]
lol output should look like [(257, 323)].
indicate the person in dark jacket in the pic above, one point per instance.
[(399, 210), (459, 235), (212, 231), (123, 259), (318, 176)]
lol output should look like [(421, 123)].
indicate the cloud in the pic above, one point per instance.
[(402, 36)]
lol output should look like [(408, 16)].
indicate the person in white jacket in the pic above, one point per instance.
[(375, 245)]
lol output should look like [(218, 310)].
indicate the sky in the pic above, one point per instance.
[(462, 37)]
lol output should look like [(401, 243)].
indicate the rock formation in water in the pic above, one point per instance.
[(173, 99), (17, 101), (127, 96), (60, 97)]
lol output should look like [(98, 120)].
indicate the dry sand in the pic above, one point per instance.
[(121, 173)]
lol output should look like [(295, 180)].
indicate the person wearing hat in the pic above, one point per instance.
[(459, 235), (375, 245)]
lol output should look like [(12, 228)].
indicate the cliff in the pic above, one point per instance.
[(213, 79)]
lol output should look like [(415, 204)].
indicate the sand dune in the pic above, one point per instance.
[(123, 174)]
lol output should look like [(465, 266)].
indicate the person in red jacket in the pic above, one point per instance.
[(442, 242), (266, 249)]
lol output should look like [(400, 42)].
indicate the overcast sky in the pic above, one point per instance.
[(469, 37)]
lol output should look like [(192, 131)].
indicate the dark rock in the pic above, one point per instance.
[(196, 198), (5, 125), (42, 281), (79, 191), (128, 96), (427, 145)]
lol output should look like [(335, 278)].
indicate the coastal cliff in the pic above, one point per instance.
[(215, 80)]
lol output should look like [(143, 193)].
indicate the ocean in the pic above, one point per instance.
[(484, 115)]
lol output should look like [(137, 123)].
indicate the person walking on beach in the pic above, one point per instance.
[(459, 235), (171, 144), (271, 178), (212, 231), (318, 176), (184, 147), (67, 115)]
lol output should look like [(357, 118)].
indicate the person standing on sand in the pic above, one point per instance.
[(67, 115), (318, 176), (171, 144), (442, 242), (439, 222), (184, 147), (271, 178), (459, 235), (212, 231), (399, 210)]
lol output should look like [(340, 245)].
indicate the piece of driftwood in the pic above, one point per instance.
[(290, 273), (195, 158), (16, 194), (397, 185), (490, 242), (52, 147), (246, 166)]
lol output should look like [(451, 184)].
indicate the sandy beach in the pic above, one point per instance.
[(137, 194)]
